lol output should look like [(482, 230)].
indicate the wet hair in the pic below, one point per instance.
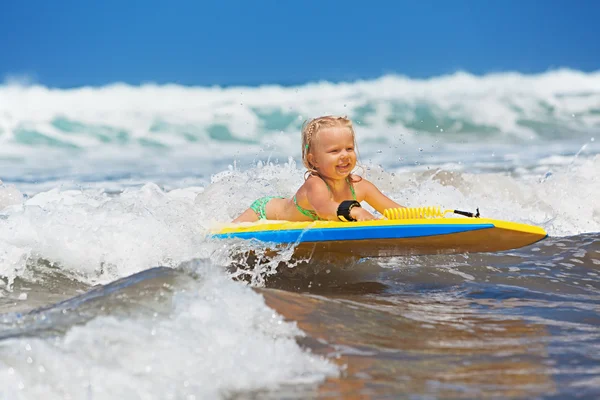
[(311, 128)]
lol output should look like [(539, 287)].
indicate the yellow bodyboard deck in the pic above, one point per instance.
[(389, 237)]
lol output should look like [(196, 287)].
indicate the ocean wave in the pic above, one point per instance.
[(555, 105), (96, 236), (173, 338)]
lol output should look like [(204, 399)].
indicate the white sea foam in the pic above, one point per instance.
[(219, 338), (9, 195), (100, 237)]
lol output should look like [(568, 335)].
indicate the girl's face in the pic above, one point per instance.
[(332, 152)]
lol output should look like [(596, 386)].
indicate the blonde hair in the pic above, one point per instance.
[(311, 127)]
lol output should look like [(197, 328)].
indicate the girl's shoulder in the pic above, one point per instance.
[(312, 182)]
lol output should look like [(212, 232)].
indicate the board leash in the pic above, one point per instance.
[(424, 212)]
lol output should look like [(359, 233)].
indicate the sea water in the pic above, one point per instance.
[(110, 286)]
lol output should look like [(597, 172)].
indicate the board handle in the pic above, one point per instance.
[(423, 212)]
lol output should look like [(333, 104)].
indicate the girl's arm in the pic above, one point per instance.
[(376, 199), (318, 196)]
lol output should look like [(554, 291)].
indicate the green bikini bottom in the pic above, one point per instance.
[(260, 206)]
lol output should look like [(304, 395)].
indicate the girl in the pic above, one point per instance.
[(331, 191)]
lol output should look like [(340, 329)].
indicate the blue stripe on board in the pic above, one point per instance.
[(359, 233)]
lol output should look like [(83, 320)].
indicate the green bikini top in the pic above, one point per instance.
[(313, 215)]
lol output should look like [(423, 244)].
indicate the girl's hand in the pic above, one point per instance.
[(360, 214)]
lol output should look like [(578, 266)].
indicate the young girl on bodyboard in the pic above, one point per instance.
[(331, 191)]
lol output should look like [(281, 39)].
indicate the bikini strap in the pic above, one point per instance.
[(351, 188), (309, 213), (347, 181)]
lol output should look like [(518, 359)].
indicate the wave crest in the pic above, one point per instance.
[(554, 105)]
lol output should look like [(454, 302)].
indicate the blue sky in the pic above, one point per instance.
[(74, 43)]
